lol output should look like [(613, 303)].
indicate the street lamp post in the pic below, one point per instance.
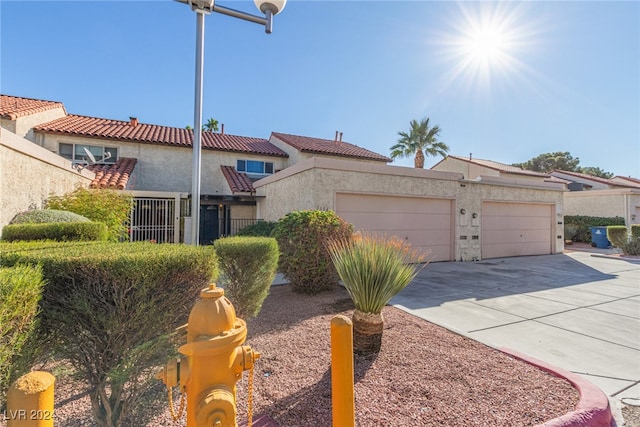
[(270, 8)]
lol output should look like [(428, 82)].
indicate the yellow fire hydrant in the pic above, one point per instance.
[(213, 361)]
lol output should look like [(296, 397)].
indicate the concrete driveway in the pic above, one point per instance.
[(577, 311)]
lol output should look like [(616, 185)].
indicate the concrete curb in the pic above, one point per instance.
[(592, 409)]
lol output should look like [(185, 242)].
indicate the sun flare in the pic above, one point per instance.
[(485, 44)]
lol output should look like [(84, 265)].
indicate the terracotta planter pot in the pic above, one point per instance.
[(367, 332)]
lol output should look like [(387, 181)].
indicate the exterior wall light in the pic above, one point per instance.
[(463, 211)]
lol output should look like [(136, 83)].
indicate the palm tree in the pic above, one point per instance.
[(421, 139), (211, 125)]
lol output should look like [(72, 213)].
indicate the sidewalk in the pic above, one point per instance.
[(579, 311)]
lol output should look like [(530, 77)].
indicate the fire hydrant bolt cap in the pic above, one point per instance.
[(212, 292)]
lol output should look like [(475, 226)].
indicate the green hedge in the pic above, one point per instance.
[(110, 309), (20, 292), (58, 231), (249, 266), (635, 231), (259, 229), (40, 216), (585, 223), (304, 257)]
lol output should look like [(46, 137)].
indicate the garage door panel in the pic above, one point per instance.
[(359, 203), (425, 223), (515, 229), (514, 209), (402, 221), (515, 236), (516, 223)]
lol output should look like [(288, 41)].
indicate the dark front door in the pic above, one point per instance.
[(208, 224)]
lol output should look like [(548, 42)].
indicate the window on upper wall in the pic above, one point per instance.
[(77, 154), (254, 167)]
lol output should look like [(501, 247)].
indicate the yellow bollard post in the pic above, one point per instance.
[(30, 401), (342, 395)]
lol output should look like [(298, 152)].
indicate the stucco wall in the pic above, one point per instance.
[(313, 184), (22, 126), (29, 175), (605, 203), (167, 168)]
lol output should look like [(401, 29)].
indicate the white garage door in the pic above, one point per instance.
[(425, 223), (515, 229)]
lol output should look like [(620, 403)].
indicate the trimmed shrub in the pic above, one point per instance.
[(570, 231), (40, 216), (111, 308), (108, 206), (632, 247), (585, 223), (248, 265), (58, 231), (258, 229), (304, 258), (635, 231), (618, 235), (20, 291)]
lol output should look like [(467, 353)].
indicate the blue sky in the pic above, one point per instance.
[(505, 81)]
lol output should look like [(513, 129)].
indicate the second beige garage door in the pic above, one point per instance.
[(515, 229), (425, 223)]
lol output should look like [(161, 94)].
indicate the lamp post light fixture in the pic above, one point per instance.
[(269, 8)]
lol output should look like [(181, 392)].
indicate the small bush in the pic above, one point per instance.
[(632, 247), (618, 235), (304, 258), (249, 266), (258, 229), (585, 223), (58, 231), (47, 215), (374, 269), (635, 231), (108, 206), (570, 231), (20, 292), (109, 309)]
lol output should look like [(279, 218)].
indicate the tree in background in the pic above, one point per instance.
[(595, 171), (548, 162), (211, 125), (561, 160), (420, 140)]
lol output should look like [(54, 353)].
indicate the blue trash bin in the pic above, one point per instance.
[(599, 237)]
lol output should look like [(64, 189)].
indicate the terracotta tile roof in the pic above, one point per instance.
[(238, 182), (327, 146), (12, 107), (132, 131), (592, 178), (501, 167), (626, 180), (115, 176)]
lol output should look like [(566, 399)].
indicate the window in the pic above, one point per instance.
[(78, 153), (254, 167)]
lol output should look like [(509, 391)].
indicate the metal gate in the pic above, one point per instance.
[(153, 219)]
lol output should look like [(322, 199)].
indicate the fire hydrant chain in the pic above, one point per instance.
[(176, 417), (250, 399)]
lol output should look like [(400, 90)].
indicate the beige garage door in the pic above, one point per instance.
[(515, 229), (425, 223)]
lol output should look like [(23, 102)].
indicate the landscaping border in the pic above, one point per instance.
[(593, 408)]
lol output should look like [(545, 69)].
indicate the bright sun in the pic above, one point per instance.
[(485, 44)]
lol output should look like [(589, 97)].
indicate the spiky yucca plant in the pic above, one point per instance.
[(373, 269)]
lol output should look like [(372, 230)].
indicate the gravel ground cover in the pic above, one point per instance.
[(424, 375)]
